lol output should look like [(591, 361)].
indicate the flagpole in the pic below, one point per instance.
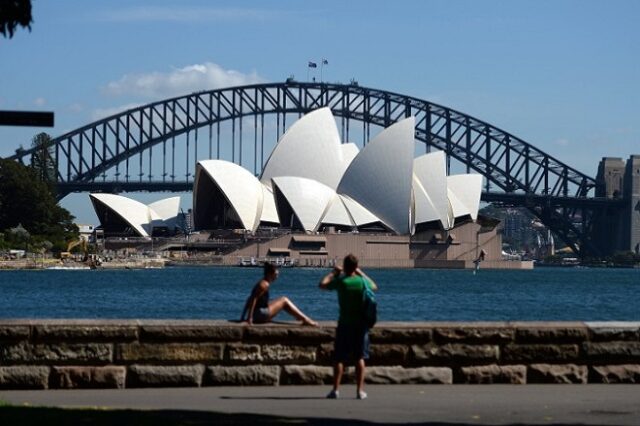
[(323, 62), (311, 65)]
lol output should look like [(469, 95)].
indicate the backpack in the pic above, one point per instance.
[(369, 305)]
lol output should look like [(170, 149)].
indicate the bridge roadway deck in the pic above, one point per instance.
[(423, 404)]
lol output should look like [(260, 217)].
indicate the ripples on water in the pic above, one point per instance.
[(405, 295)]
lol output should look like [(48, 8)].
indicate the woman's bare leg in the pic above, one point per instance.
[(284, 303)]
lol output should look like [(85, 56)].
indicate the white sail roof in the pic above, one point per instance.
[(165, 212), (135, 213), (166, 209), (359, 215), (467, 188), (324, 181), (349, 152), (269, 211), (336, 213), (242, 190), (430, 170), (425, 210), (308, 198), (309, 149), (380, 177), (458, 209)]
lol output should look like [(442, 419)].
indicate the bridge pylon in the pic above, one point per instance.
[(617, 225)]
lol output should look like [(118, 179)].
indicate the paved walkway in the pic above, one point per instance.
[(436, 404)]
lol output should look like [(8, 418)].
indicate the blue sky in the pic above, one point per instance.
[(563, 75)]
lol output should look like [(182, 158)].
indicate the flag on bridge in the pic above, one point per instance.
[(313, 65)]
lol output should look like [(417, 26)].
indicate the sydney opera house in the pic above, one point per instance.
[(327, 198)]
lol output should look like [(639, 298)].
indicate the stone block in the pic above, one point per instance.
[(108, 377), (265, 333), (401, 375), (178, 333), (600, 334), (310, 335), (251, 375), (539, 353), (62, 353), (14, 332), (324, 354), (165, 376), (454, 353), (559, 334), (284, 354), (270, 354), (557, 373), (24, 377), (401, 335), (487, 374), (84, 333), (306, 375), (243, 353), (623, 373), (473, 334), (607, 352), (170, 353), (381, 354)]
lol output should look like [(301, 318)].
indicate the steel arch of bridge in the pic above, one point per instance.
[(527, 176)]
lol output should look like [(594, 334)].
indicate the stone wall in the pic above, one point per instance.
[(41, 354)]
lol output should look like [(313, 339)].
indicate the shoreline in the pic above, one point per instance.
[(172, 263)]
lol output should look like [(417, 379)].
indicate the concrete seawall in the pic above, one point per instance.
[(42, 354)]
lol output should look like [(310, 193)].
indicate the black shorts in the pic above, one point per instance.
[(260, 316), (352, 343)]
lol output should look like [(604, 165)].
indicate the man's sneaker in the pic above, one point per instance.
[(334, 394), (362, 395)]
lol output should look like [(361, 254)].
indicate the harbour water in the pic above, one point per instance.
[(543, 294)]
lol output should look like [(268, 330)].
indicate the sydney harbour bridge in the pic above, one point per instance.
[(155, 147)]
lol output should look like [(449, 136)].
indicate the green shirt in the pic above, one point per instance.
[(349, 297)]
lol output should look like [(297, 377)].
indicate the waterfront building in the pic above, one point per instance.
[(331, 198), (318, 199)]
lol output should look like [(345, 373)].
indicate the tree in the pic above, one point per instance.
[(27, 200), (20, 235), (14, 13), (42, 159)]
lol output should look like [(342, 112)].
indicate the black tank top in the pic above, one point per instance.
[(263, 301)]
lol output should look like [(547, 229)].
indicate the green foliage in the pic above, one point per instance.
[(27, 201), (42, 160), (14, 13)]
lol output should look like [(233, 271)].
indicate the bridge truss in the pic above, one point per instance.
[(155, 147)]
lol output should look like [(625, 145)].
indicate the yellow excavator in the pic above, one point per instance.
[(74, 243)]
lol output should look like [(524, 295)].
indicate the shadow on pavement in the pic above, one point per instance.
[(281, 398), (26, 416)]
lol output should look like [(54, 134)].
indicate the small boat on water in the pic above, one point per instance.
[(251, 261), (280, 262), (69, 268)]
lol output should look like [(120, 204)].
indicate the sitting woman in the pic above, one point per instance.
[(258, 308)]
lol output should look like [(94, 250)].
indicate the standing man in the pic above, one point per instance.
[(352, 335)]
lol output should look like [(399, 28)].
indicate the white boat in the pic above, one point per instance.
[(69, 268)]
